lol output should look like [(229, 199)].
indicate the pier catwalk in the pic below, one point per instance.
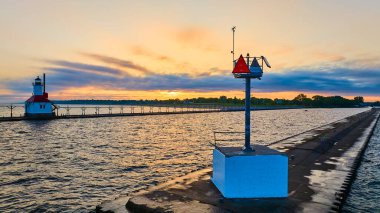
[(85, 111), (322, 165)]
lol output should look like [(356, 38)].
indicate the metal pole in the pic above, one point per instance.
[(247, 145), (44, 82), (233, 46)]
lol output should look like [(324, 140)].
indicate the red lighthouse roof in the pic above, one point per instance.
[(39, 98)]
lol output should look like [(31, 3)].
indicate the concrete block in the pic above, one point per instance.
[(259, 174)]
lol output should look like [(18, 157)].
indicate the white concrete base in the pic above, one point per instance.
[(259, 174)]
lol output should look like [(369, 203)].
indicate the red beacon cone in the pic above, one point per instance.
[(240, 67)]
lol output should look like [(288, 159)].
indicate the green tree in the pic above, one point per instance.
[(303, 100), (223, 99), (300, 97), (359, 99)]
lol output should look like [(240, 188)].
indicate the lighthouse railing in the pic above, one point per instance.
[(83, 110)]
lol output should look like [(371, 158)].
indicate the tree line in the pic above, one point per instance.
[(299, 100)]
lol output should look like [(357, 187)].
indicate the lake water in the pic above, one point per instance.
[(73, 165), (364, 195)]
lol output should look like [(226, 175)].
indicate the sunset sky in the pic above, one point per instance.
[(181, 49)]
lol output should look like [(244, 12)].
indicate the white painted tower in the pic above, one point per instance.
[(39, 105)]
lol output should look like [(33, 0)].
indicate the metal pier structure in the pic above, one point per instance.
[(15, 112), (8, 112)]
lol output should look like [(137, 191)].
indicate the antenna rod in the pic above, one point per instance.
[(44, 82), (233, 46)]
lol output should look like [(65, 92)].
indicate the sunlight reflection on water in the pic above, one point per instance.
[(74, 164)]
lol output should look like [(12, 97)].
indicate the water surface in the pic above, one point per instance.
[(74, 164), (364, 195)]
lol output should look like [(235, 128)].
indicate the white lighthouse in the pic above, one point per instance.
[(39, 105)]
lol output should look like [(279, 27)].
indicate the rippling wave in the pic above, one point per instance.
[(364, 195), (73, 165)]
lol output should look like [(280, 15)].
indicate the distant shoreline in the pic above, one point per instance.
[(300, 100)]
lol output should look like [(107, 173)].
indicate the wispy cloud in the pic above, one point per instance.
[(138, 50), (96, 69), (328, 56), (337, 81), (324, 79), (118, 62)]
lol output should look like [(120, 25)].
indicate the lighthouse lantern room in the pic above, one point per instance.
[(39, 105)]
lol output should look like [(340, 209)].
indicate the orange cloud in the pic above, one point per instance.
[(197, 37), (330, 57), (364, 60), (5, 92), (90, 92), (139, 50)]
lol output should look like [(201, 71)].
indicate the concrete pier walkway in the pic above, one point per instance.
[(322, 165)]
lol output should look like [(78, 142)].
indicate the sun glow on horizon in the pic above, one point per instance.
[(92, 92)]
